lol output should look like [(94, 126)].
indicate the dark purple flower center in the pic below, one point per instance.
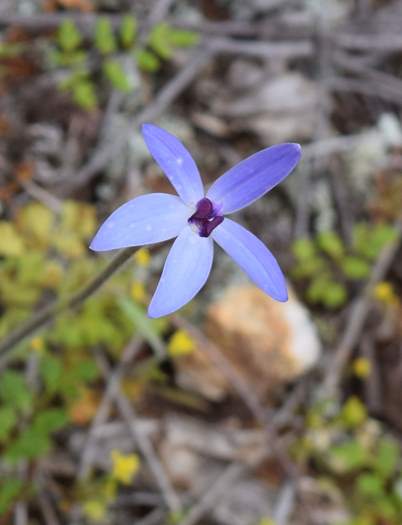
[(205, 218)]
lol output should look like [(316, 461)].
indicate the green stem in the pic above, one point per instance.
[(48, 313)]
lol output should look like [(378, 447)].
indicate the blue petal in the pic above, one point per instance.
[(146, 219), (186, 269), (253, 177), (175, 161), (253, 257)]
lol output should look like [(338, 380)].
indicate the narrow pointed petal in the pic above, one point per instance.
[(253, 257), (186, 270), (253, 177), (175, 161), (146, 219)]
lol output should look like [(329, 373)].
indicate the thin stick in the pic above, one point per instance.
[(143, 443), (48, 313), (113, 384), (215, 492)]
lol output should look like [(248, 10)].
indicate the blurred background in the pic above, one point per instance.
[(237, 410)]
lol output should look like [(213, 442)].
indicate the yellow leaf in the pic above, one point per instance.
[(124, 466), (10, 242), (36, 222), (180, 344), (354, 413), (52, 274), (79, 218), (69, 245)]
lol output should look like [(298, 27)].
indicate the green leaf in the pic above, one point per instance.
[(348, 456), (182, 37), (304, 249), (353, 413), (84, 94), (52, 371), (354, 267), (381, 235), (8, 418), (323, 289), (310, 268), (105, 41), (81, 372), (330, 243), (86, 370), (369, 240), (115, 73), (28, 445), (9, 491), (49, 421), (159, 42), (128, 30), (144, 325), (74, 58), (14, 391), (316, 290), (370, 486), (387, 458), (147, 61), (68, 36), (334, 295), (34, 441)]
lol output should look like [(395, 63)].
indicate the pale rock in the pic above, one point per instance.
[(267, 343)]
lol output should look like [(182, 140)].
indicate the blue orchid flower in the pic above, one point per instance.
[(197, 220)]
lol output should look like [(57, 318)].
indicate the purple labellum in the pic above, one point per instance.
[(204, 209), (205, 218)]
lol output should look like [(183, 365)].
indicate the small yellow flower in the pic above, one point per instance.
[(362, 367), (37, 345), (180, 344), (138, 292), (94, 510), (143, 257), (384, 292), (124, 466)]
